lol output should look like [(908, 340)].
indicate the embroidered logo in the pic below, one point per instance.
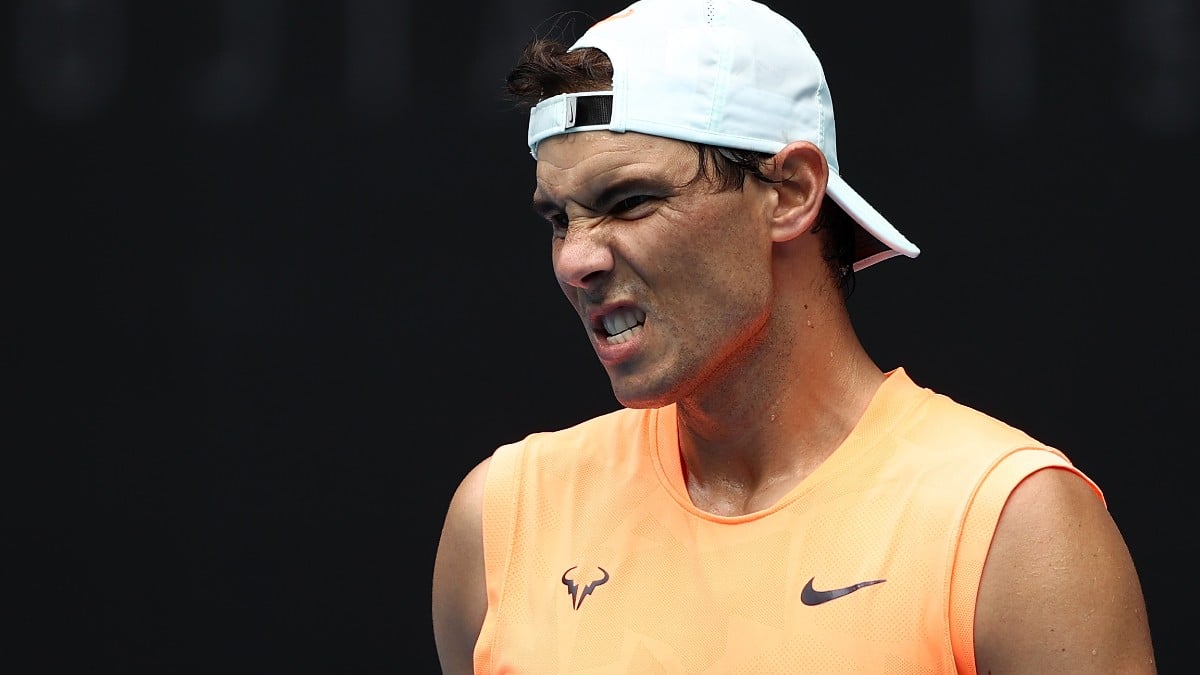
[(813, 597), (573, 585)]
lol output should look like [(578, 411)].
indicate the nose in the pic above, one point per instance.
[(582, 257)]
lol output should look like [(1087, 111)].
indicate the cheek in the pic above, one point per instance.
[(725, 267), (728, 246)]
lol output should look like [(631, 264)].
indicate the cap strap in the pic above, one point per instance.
[(560, 114)]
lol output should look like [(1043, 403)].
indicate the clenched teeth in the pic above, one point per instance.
[(623, 324)]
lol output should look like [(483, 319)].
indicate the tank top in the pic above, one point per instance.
[(596, 560)]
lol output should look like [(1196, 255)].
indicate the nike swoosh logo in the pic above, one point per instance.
[(813, 597)]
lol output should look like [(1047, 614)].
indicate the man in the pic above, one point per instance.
[(767, 500)]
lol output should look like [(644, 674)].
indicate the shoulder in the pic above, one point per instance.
[(1059, 592), (617, 424), (578, 447), (937, 426), (945, 418), (460, 567), (459, 593)]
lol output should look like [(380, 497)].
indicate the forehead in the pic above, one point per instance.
[(577, 161)]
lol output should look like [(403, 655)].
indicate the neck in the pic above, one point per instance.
[(758, 428)]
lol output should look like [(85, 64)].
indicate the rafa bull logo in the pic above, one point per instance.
[(588, 583)]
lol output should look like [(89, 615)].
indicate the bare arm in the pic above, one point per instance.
[(1059, 592), (459, 593)]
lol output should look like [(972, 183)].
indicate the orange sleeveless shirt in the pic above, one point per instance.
[(597, 562)]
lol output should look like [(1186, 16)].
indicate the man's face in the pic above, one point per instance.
[(672, 281)]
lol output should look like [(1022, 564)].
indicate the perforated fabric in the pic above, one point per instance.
[(597, 561)]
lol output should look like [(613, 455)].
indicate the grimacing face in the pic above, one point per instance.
[(670, 280)]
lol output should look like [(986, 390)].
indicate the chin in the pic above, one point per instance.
[(642, 399)]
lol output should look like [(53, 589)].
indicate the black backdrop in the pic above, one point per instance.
[(274, 286)]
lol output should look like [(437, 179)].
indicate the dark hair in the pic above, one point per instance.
[(547, 69)]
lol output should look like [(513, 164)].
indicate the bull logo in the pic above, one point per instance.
[(573, 585)]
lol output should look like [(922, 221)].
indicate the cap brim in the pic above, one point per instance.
[(884, 242)]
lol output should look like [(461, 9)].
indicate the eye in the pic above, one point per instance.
[(630, 203), (558, 222)]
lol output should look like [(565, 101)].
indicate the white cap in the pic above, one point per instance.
[(726, 73)]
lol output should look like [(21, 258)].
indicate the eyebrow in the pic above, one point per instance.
[(543, 206)]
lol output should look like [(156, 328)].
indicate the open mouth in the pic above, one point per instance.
[(622, 324)]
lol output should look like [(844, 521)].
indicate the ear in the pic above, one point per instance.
[(801, 172)]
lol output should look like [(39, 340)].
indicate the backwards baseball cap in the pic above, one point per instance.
[(726, 73)]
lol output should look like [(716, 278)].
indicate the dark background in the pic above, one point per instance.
[(274, 287)]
